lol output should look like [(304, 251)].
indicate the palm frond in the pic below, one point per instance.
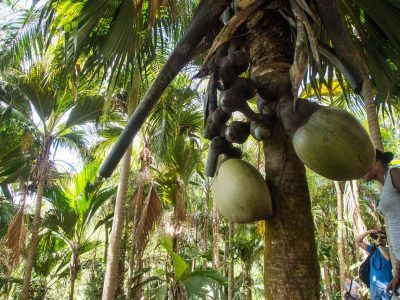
[(16, 236), (149, 216)]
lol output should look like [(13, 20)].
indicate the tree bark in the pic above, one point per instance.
[(327, 281), (215, 237), (353, 212), (34, 240), (42, 171), (231, 274), (248, 283), (105, 243), (206, 231), (290, 257), (135, 262), (119, 294), (116, 231), (339, 196), (372, 115), (73, 272)]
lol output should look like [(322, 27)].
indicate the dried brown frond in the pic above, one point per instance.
[(150, 214), (16, 236)]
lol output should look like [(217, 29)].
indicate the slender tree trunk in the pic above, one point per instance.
[(105, 243), (135, 255), (339, 196), (327, 281), (215, 237), (353, 212), (34, 240), (290, 257), (248, 283), (114, 250), (231, 274), (131, 268), (206, 232), (119, 294), (73, 272), (41, 179), (372, 115)]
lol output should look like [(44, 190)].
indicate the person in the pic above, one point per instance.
[(351, 290), (389, 206), (380, 268)]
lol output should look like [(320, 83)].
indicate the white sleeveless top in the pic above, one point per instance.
[(389, 207)]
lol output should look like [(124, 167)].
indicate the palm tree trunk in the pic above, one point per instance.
[(105, 243), (352, 209), (339, 196), (372, 116), (327, 282), (134, 253), (119, 294), (73, 272), (114, 250), (41, 179), (290, 256), (230, 262), (206, 231), (248, 283), (215, 237)]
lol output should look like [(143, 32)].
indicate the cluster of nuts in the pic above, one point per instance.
[(235, 91)]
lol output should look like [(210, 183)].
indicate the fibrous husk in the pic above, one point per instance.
[(241, 193), (335, 145)]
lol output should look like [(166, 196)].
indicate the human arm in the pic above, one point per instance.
[(394, 285), (360, 239)]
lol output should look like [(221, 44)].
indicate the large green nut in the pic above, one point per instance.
[(241, 193), (335, 145)]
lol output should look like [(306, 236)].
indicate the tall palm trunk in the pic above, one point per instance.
[(352, 212), (135, 255), (132, 250), (206, 230), (105, 243), (327, 282), (73, 272), (120, 293), (215, 217), (42, 171), (114, 250), (231, 274), (248, 283), (339, 196), (372, 116), (290, 257)]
